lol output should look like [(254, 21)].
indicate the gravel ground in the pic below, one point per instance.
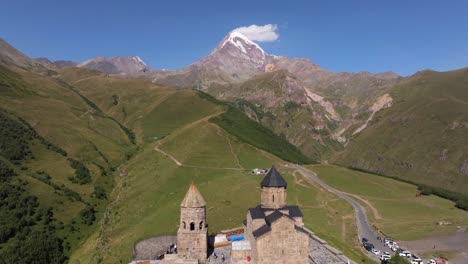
[(153, 247), (457, 241), (320, 255), (220, 251)]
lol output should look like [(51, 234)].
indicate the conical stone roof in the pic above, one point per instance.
[(193, 198), (273, 179)]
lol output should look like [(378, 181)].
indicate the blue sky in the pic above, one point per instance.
[(376, 36)]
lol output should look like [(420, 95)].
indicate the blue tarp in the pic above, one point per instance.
[(237, 238)]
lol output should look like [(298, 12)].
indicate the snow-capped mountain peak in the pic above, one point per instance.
[(140, 61), (241, 42), (236, 48)]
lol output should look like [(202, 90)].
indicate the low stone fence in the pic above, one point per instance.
[(152, 248), (321, 253)]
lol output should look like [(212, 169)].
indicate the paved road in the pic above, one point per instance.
[(365, 230)]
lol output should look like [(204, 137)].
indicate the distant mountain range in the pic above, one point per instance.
[(326, 114), (115, 65)]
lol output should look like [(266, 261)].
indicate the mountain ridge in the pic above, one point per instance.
[(117, 65)]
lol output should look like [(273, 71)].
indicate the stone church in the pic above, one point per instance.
[(273, 230)]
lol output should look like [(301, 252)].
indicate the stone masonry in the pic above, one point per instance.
[(192, 236)]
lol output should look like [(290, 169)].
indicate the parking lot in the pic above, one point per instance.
[(384, 248)]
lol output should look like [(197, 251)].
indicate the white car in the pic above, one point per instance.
[(431, 261), (405, 253), (385, 253), (417, 261), (394, 248), (376, 251), (385, 257)]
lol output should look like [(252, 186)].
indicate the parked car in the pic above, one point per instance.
[(394, 248), (364, 240), (405, 253), (375, 251), (431, 261), (417, 261), (368, 246), (385, 257)]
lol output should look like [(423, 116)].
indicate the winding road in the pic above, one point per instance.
[(364, 228)]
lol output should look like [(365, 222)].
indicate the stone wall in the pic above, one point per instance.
[(284, 244), (193, 245), (272, 197), (192, 236), (322, 253), (197, 216)]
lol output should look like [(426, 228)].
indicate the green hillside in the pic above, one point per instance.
[(422, 137), (58, 151), (251, 132)]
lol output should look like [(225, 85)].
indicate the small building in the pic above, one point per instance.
[(257, 171)]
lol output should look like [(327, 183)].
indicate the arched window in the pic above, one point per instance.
[(183, 223), (273, 198), (201, 225), (192, 226)]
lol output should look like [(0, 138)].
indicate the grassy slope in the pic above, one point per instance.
[(157, 185), (150, 110), (399, 213), (65, 119), (296, 124), (238, 124), (429, 115)]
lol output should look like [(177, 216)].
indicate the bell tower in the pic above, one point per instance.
[(273, 190), (192, 236)]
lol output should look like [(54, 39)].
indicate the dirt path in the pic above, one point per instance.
[(168, 155), (375, 212), (178, 163), (344, 219), (230, 145), (205, 119), (102, 243)]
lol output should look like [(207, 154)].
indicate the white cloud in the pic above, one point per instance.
[(265, 33)]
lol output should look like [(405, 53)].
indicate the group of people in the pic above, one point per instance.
[(215, 255), (172, 249)]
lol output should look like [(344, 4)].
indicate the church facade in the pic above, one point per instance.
[(273, 228)]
